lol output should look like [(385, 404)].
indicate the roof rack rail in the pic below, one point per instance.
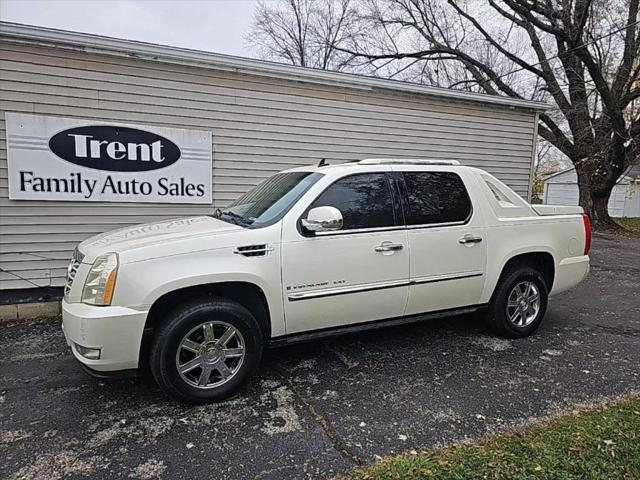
[(411, 161)]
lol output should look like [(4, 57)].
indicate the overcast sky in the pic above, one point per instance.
[(212, 25)]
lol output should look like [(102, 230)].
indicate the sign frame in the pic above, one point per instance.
[(94, 161)]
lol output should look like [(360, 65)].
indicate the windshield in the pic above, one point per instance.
[(269, 201)]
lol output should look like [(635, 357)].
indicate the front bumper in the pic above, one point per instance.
[(116, 331)]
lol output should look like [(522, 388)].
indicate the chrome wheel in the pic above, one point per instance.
[(210, 354), (523, 304)]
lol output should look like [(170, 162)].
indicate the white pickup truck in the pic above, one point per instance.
[(310, 252)]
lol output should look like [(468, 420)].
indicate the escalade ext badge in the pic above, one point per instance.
[(113, 148)]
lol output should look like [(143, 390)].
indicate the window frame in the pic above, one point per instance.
[(399, 178), (396, 208)]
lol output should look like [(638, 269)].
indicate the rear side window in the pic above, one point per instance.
[(436, 197), (363, 199)]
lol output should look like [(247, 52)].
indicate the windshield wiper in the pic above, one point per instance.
[(231, 217)]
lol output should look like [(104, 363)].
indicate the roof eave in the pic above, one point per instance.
[(176, 55)]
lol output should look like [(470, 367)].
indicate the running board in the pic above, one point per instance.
[(372, 325)]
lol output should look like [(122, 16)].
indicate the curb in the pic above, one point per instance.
[(18, 313)]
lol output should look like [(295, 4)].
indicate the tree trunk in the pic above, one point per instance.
[(584, 188), (594, 191), (599, 214)]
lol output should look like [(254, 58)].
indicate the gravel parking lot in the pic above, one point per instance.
[(320, 409)]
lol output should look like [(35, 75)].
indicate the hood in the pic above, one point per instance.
[(148, 234)]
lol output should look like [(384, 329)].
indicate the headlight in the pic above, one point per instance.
[(101, 280)]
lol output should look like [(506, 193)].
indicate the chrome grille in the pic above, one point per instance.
[(72, 269)]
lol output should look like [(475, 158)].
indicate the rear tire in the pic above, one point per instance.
[(519, 303), (205, 349)]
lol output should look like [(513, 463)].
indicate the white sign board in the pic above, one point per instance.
[(58, 158)]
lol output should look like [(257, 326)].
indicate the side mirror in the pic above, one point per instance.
[(323, 219)]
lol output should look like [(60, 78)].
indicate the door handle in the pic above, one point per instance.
[(469, 239), (389, 247)]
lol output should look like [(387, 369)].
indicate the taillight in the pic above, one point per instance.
[(587, 233)]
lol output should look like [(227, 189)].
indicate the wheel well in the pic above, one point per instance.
[(541, 261), (246, 294)]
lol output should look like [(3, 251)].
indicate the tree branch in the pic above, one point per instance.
[(514, 58), (526, 9), (630, 52), (551, 132)]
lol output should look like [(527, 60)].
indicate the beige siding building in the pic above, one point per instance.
[(263, 118)]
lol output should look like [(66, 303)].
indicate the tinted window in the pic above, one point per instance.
[(364, 200), (436, 197)]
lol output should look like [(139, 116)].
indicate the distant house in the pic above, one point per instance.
[(562, 189)]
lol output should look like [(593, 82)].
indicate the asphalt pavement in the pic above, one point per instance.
[(321, 409)]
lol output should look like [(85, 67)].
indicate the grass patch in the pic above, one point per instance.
[(626, 227), (630, 224), (596, 444)]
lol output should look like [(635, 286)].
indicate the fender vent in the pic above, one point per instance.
[(254, 250)]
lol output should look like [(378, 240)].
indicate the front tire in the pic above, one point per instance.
[(205, 349), (519, 303)]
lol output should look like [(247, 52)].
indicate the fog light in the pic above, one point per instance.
[(88, 353)]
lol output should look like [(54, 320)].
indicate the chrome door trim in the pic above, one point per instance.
[(445, 277), (392, 228), (360, 230), (436, 225), (367, 287)]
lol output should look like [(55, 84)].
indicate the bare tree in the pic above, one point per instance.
[(304, 32), (580, 54)]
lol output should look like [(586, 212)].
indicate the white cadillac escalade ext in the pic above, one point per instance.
[(310, 252)]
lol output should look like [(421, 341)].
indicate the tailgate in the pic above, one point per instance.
[(556, 209)]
